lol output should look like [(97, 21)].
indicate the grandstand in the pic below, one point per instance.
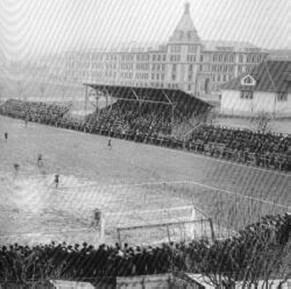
[(147, 110)]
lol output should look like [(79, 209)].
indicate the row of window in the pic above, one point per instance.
[(250, 58), (143, 76), (175, 58), (249, 94), (220, 78), (158, 67), (142, 66), (127, 75), (223, 57), (158, 76), (222, 68)]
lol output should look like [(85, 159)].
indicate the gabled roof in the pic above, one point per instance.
[(270, 76), (185, 30)]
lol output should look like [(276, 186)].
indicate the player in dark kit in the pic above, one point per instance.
[(16, 167), (109, 144), (6, 136), (57, 179), (39, 160)]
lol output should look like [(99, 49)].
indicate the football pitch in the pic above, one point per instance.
[(129, 183)]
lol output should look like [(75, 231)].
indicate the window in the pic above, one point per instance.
[(175, 48), (224, 78), (159, 57), (246, 94), (192, 49), (200, 67), (173, 77), (201, 58), (282, 96), (241, 58), (189, 87), (154, 57), (164, 57)]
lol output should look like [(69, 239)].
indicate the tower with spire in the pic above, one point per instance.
[(185, 31), (184, 47)]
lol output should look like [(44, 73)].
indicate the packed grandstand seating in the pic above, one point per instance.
[(270, 237), (152, 123), (33, 111)]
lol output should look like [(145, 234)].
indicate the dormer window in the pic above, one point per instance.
[(248, 80), (181, 34), (189, 35)]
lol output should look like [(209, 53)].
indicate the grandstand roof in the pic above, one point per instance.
[(179, 98)]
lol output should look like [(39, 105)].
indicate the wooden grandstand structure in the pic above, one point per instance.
[(178, 100)]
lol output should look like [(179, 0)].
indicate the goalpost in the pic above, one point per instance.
[(167, 225)]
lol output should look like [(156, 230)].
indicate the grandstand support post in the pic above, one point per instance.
[(118, 236), (212, 230), (172, 118), (86, 98)]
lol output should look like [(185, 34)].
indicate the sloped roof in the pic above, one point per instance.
[(270, 76), (182, 100), (213, 45)]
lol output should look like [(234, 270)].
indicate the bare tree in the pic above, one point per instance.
[(262, 122)]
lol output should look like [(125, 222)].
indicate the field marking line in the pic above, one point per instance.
[(152, 211), (185, 182)]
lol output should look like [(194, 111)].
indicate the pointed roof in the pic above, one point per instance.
[(185, 30)]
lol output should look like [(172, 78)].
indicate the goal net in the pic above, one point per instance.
[(165, 225)]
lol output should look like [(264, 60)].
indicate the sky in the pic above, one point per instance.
[(36, 27)]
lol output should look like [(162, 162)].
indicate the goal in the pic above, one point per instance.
[(166, 225)]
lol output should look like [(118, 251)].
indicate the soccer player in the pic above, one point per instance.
[(109, 144), (6, 136), (16, 168), (57, 179), (39, 160)]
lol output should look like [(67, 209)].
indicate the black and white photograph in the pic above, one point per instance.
[(145, 144)]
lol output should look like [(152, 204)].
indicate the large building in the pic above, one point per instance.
[(184, 62), (267, 89)]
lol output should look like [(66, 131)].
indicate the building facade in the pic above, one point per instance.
[(267, 89), (184, 62)]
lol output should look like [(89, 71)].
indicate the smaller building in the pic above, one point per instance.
[(267, 89)]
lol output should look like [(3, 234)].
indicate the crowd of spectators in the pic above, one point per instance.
[(262, 149), (153, 124), (40, 112), (84, 262)]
